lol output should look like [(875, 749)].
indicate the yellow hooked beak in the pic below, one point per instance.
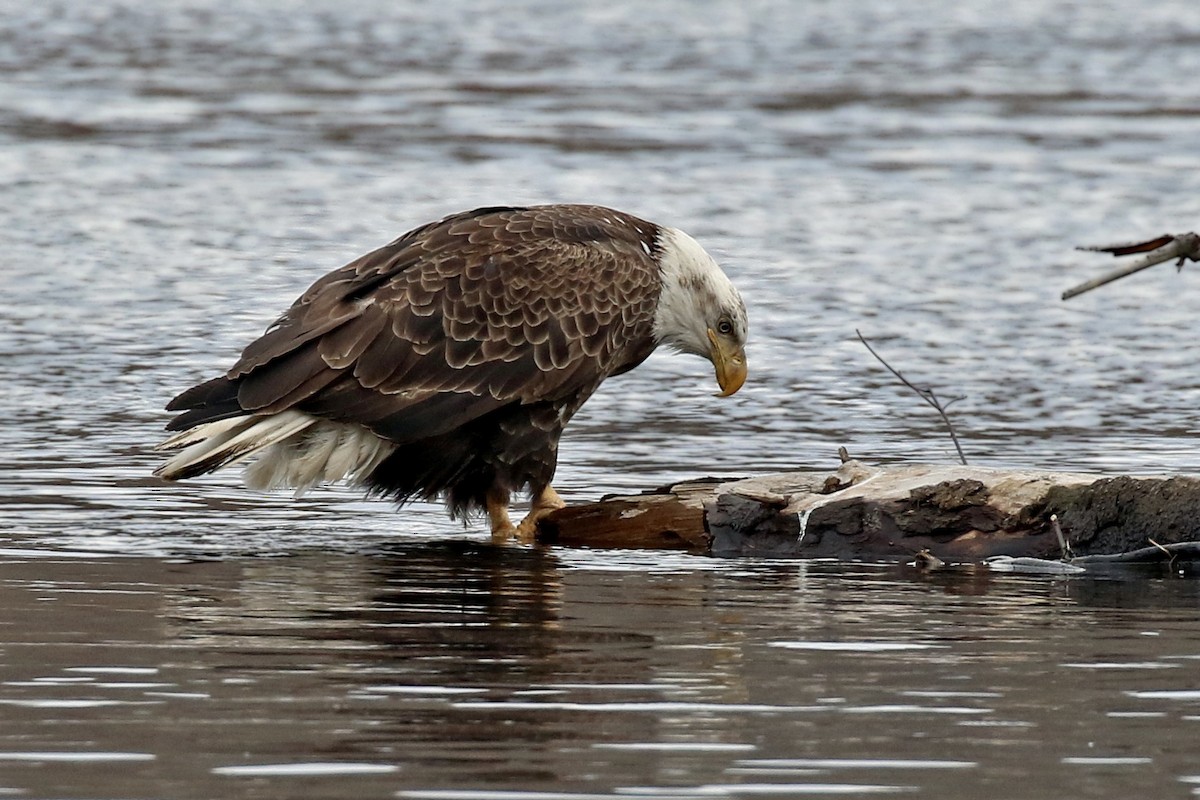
[(730, 361)]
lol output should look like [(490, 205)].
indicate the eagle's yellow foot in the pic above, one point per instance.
[(503, 531), (544, 504)]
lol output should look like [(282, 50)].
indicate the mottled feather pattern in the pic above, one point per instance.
[(433, 303), (516, 312)]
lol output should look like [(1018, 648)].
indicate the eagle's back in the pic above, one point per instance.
[(449, 328)]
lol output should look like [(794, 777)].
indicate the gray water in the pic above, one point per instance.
[(174, 173)]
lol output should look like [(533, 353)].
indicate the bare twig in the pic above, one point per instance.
[(1185, 247), (925, 394), (1063, 544), (1170, 555)]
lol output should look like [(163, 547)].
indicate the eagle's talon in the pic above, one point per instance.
[(546, 503), (526, 532), (503, 534)]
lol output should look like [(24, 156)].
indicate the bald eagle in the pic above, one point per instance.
[(447, 363)]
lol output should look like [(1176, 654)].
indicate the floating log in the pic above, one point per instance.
[(669, 518), (951, 514)]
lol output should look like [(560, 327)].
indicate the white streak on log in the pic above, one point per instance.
[(1031, 566)]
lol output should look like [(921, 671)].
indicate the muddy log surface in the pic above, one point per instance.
[(954, 513)]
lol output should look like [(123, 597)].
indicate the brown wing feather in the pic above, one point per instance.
[(460, 317)]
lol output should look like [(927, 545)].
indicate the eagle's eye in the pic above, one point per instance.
[(725, 327)]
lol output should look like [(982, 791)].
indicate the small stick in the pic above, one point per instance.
[(1170, 555), (1063, 544), (925, 394), (1185, 247)]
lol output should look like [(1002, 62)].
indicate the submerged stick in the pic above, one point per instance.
[(1170, 555), (1185, 247), (925, 394), (1063, 544)]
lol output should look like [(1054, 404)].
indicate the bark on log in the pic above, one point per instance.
[(669, 518), (955, 513)]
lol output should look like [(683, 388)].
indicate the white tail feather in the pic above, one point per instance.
[(219, 444), (295, 450), (325, 453), (201, 432)]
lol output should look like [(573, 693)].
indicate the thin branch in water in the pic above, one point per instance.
[(925, 394), (1063, 544), (1170, 555), (1185, 247)]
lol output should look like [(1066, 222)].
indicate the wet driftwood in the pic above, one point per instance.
[(670, 518), (946, 513)]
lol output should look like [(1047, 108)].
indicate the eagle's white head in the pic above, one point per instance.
[(699, 310)]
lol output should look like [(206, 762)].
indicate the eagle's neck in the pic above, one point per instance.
[(694, 289)]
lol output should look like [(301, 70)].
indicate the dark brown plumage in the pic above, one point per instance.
[(464, 346)]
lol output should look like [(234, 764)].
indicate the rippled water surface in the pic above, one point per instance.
[(445, 670), (173, 174)]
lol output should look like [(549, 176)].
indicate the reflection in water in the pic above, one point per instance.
[(461, 668)]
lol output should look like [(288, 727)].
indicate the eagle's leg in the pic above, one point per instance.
[(544, 502), (497, 510)]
